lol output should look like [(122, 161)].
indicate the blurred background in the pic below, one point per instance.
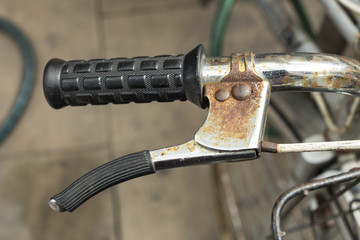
[(48, 148)]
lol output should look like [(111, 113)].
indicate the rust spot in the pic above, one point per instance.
[(347, 75), (223, 60), (314, 84), (240, 71), (337, 84), (173, 149), (286, 79), (329, 80), (316, 73), (231, 119), (162, 154), (190, 146), (306, 83), (269, 147), (240, 60)]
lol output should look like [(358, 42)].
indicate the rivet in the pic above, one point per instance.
[(241, 91), (222, 94)]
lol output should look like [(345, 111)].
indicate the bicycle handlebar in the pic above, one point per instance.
[(237, 90)]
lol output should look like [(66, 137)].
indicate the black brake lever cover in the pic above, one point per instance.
[(114, 172)]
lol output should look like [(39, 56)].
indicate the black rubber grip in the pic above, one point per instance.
[(114, 172), (118, 80)]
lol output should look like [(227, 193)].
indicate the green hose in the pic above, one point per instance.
[(219, 26), (300, 11), (28, 78)]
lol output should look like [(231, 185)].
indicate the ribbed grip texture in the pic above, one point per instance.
[(119, 80), (114, 172)]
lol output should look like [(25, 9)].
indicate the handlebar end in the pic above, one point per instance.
[(51, 83), (54, 206), (192, 75)]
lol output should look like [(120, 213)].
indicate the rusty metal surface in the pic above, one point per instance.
[(269, 147), (235, 121), (309, 72), (238, 91), (214, 69)]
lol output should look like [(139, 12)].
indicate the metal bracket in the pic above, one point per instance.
[(237, 109)]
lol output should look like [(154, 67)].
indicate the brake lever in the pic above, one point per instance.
[(237, 91)]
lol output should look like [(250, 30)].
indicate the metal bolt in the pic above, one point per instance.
[(222, 94), (241, 91)]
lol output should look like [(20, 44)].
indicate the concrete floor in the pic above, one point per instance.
[(51, 148)]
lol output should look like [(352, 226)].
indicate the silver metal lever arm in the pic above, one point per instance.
[(136, 165), (192, 153)]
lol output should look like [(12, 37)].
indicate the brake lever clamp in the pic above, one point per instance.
[(234, 127), (237, 109), (237, 90)]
